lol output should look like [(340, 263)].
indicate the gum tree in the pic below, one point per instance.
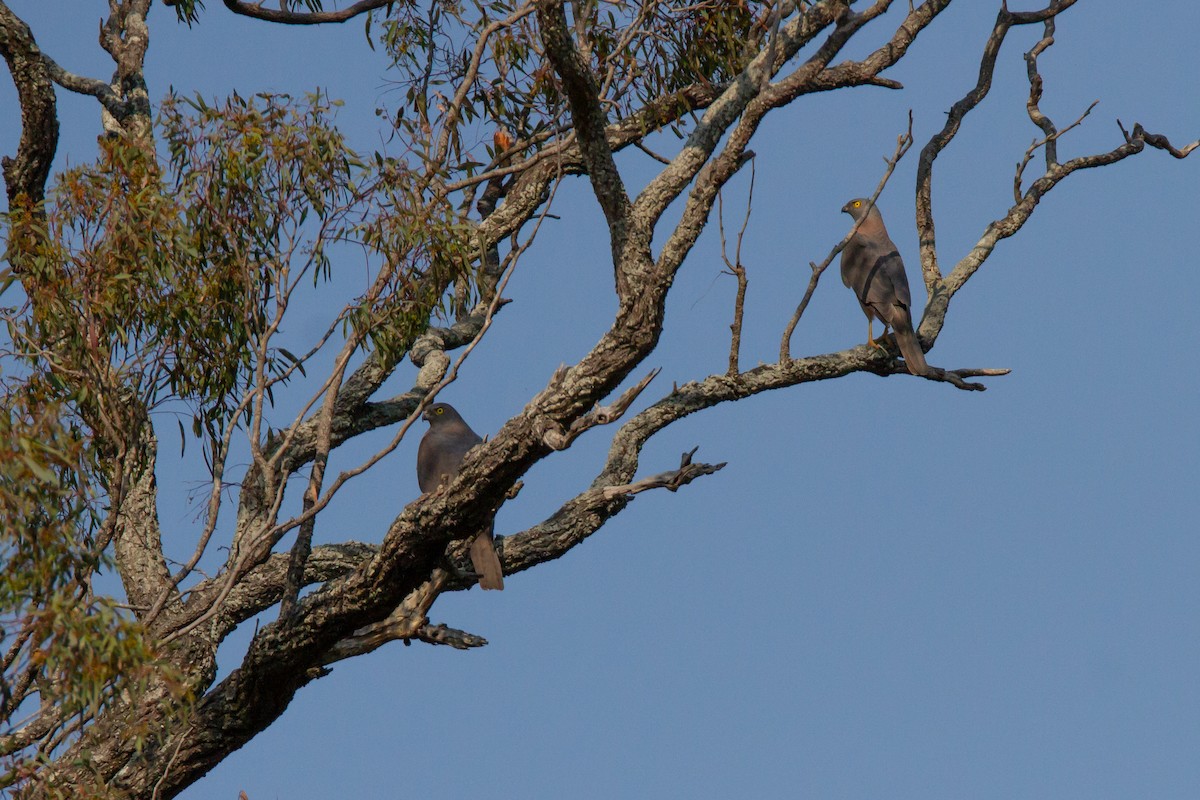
[(161, 275)]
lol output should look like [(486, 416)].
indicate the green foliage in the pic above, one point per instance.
[(709, 42), (76, 652), (158, 286), (147, 281), (264, 185), (644, 51), (44, 502), (169, 287), (425, 244), (187, 11)]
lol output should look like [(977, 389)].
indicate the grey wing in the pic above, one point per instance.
[(885, 289), (428, 461), (854, 266), (440, 455), (857, 260)]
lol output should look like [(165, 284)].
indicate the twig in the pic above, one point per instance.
[(772, 46), (167, 769), (651, 153), (738, 270), (739, 303), (1049, 141), (670, 480)]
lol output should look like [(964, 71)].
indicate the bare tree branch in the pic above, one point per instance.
[(736, 269), (25, 176), (285, 16), (670, 480), (406, 623), (987, 65), (590, 127), (1141, 136)]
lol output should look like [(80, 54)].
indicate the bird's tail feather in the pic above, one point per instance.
[(485, 561), (910, 348)]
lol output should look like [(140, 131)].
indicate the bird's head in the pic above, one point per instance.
[(440, 413), (856, 208)]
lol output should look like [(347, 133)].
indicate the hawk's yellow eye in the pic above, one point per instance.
[(439, 410), (857, 203)]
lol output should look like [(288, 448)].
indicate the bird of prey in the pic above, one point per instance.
[(872, 268), (438, 459)]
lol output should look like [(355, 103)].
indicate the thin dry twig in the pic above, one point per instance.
[(407, 622), (736, 269), (1048, 142), (670, 480)]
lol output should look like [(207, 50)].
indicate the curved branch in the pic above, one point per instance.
[(286, 17), (87, 86), (1019, 213), (1005, 20), (613, 488)]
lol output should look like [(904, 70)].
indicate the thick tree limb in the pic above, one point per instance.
[(583, 96), (285, 16), (26, 174), (93, 87), (262, 587)]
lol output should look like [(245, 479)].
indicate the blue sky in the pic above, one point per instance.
[(895, 589)]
